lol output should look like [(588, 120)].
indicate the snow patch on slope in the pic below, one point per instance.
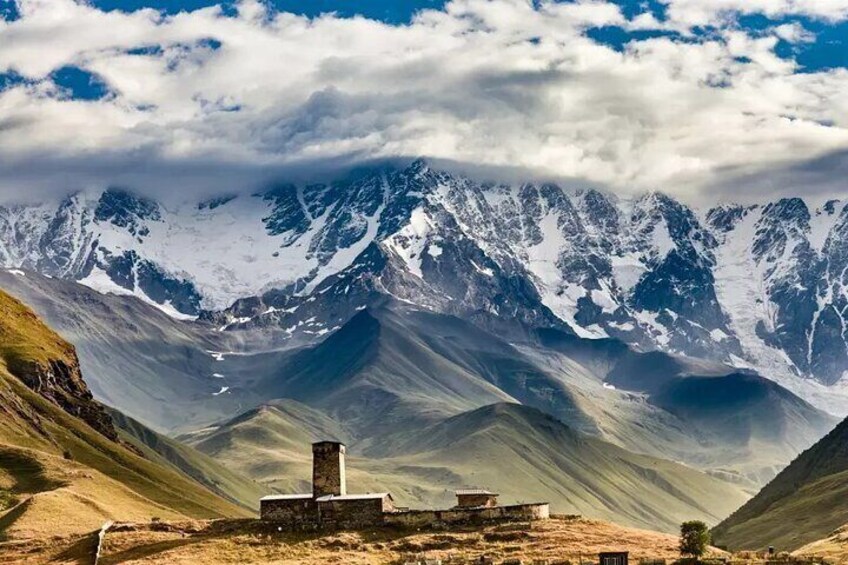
[(743, 297), (412, 241), (100, 281), (558, 295)]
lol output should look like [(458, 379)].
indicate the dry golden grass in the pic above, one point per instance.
[(252, 541), (833, 548), (60, 476), (56, 496), (77, 549)]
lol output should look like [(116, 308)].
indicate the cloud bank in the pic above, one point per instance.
[(208, 99)]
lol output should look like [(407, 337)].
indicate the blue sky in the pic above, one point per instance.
[(393, 11), (634, 94), (829, 48)]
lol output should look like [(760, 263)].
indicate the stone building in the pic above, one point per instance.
[(330, 506), (328, 469), (476, 498), (354, 510)]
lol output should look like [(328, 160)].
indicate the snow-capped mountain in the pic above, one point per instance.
[(760, 286)]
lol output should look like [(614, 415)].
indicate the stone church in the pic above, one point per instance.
[(330, 506)]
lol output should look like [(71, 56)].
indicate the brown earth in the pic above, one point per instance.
[(252, 541)]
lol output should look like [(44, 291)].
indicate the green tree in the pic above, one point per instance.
[(694, 538)]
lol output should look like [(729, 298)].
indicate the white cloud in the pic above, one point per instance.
[(711, 12), (489, 82), (794, 33)]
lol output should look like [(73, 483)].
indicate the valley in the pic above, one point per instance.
[(427, 402), (588, 352)]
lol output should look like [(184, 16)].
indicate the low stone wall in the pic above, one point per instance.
[(355, 514), (350, 514), (291, 512), (469, 516)]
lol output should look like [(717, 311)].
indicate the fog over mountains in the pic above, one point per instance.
[(757, 286)]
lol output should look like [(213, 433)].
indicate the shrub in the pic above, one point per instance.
[(694, 538), (7, 499)]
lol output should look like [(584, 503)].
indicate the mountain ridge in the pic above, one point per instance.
[(408, 367), (491, 445), (718, 284)]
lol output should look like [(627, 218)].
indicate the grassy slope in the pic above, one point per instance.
[(527, 455), (807, 501), (833, 548), (271, 443), (390, 369), (151, 367), (376, 374), (102, 478), (514, 449), (199, 466)]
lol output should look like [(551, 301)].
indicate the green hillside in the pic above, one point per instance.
[(55, 463), (804, 503), (271, 443), (200, 467), (394, 368), (519, 451), (378, 372), (528, 455)]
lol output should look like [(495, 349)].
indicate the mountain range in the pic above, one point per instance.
[(758, 286), (64, 452), (638, 360), (394, 369)]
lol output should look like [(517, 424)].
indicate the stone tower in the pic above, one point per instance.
[(328, 469)]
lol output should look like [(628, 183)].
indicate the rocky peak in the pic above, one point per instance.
[(723, 219), (126, 210), (287, 217), (783, 225), (599, 212)]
